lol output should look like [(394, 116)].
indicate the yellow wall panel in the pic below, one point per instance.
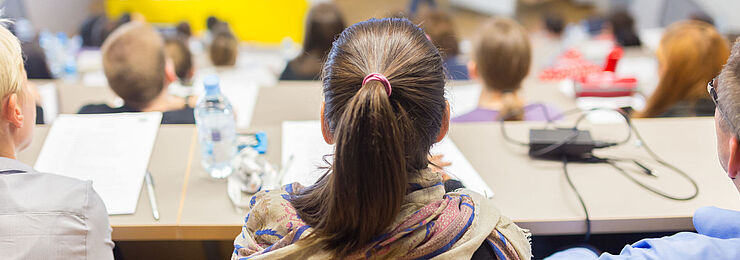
[(264, 21)]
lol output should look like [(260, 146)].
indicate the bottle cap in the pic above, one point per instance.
[(211, 85)]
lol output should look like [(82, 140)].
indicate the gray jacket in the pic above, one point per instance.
[(48, 216)]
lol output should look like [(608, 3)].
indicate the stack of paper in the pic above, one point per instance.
[(111, 150), (303, 141)]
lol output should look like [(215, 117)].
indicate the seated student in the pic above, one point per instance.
[(323, 24), (224, 46), (718, 230), (622, 26), (211, 23), (182, 30), (440, 28), (384, 108), (501, 59), (138, 71), (554, 25), (179, 53), (690, 54), (42, 215)]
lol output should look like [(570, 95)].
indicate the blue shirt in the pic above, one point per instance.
[(717, 237)]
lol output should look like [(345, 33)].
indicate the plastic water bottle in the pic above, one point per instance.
[(52, 50), (71, 48), (214, 118)]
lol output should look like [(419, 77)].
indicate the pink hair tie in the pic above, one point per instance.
[(378, 77)]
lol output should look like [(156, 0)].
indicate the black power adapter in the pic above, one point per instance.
[(556, 143)]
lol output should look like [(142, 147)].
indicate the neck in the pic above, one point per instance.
[(8, 150), (163, 103), (491, 99)]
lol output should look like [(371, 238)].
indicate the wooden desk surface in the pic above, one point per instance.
[(536, 195), (533, 193), (168, 165)]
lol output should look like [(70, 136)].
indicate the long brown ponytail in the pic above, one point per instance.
[(380, 138)]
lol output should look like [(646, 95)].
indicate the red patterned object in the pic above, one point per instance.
[(570, 65)]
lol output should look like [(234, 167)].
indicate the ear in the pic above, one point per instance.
[(733, 162), (325, 131), (445, 123), (12, 111), (472, 70), (169, 72)]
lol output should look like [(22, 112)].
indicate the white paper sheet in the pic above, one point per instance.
[(303, 141), (112, 150)]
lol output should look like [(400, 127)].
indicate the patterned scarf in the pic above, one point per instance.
[(430, 224)]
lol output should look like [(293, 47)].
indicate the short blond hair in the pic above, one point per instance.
[(12, 73), (134, 63)]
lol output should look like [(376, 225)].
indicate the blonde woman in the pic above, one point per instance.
[(44, 216), (690, 54)]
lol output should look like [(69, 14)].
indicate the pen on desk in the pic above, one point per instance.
[(150, 191)]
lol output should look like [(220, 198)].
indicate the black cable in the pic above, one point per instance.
[(651, 189), (507, 137), (503, 119), (594, 159), (587, 236), (621, 112), (655, 157), (584, 113)]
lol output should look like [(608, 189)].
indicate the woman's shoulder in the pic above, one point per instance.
[(271, 220), (273, 207), (266, 198), (541, 112)]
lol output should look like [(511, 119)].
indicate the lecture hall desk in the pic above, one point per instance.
[(533, 193)]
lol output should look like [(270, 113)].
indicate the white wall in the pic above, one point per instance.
[(726, 13)]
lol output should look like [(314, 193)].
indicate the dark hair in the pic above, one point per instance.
[(181, 57), (183, 30), (211, 21), (703, 17), (124, 18), (623, 26), (323, 24), (439, 26), (554, 23), (380, 139)]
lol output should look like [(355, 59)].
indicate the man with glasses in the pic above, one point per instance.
[(717, 230)]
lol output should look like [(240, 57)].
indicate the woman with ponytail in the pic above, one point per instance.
[(384, 108), (501, 59)]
